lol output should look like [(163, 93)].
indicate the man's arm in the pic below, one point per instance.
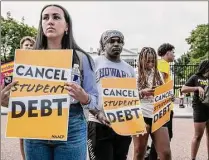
[(100, 116), (94, 112)]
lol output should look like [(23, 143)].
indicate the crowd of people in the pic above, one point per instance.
[(93, 133)]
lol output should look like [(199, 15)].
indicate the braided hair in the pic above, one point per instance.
[(142, 72)]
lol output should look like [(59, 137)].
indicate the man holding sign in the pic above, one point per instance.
[(103, 142)]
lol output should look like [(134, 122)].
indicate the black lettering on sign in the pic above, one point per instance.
[(120, 92), (22, 87), (47, 71), (136, 111), (38, 88), (29, 72), (56, 74), (155, 118), (121, 103), (128, 115), (18, 69), (163, 96), (120, 116), (45, 110), (45, 105), (54, 89), (58, 136), (41, 72), (162, 112), (30, 88), (32, 108), (111, 117), (160, 105), (14, 109), (123, 115), (63, 76), (105, 92), (59, 102), (46, 88), (105, 103), (14, 88)]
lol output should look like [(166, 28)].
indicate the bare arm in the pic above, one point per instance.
[(100, 116), (22, 149), (187, 89)]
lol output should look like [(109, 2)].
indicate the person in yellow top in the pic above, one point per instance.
[(166, 52), (164, 68)]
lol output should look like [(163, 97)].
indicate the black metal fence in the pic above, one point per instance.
[(179, 73), (132, 62)]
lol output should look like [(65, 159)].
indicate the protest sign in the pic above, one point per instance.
[(6, 72), (162, 105), (39, 104), (122, 106)]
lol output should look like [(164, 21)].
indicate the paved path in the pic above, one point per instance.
[(183, 131), (180, 145)]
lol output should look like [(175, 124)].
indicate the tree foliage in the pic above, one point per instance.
[(186, 65), (198, 41), (199, 46), (12, 32)]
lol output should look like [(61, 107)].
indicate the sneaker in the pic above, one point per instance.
[(181, 106)]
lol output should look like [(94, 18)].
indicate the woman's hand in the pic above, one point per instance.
[(201, 92), (77, 92), (5, 92), (147, 92)]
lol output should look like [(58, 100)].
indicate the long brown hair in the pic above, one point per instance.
[(68, 41), (142, 72)]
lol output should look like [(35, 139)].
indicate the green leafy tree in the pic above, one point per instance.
[(199, 50), (12, 32), (199, 47), (198, 41)]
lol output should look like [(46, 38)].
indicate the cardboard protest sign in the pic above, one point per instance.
[(39, 104), (122, 106), (162, 105), (6, 71)]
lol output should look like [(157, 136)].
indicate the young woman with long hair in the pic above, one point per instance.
[(148, 78), (55, 32), (196, 83)]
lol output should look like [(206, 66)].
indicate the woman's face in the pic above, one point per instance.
[(53, 22), (207, 74), (150, 62), (27, 44)]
